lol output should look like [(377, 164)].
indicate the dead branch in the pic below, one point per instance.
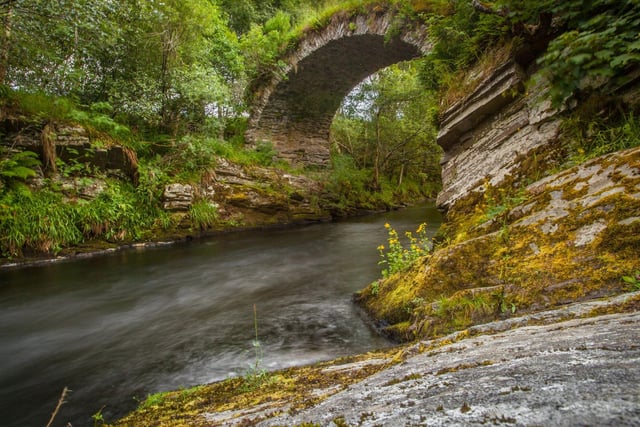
[(60, 403)]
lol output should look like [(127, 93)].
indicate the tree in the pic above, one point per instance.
[(60, 62), (387, 125), (179, 64), (597, 47), (167, 63)]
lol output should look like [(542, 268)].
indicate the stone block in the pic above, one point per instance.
[(178, 197)]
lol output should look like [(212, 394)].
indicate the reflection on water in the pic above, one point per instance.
[(118, 327)]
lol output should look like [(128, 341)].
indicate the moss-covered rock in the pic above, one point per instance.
[(247, 400), (566, 238)]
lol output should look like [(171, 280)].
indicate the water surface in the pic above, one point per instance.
[(115, 328)]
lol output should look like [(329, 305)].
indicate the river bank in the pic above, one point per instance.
[(97, 248)]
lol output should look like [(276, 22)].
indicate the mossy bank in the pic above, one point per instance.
[(569, 237)]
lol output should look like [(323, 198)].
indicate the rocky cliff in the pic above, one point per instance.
[(250, 196), (522, 233)]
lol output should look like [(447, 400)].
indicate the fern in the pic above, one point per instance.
[(18, 168)]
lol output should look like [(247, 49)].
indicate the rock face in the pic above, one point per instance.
[(251, 196), (568, 237), (294, 109), (574, 373), (73, 145), (488, 135), (574, 366), (493, 94), (178, 197)]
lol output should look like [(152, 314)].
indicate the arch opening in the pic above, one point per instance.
[(295, 112)]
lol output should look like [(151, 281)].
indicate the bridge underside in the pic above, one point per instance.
[(298, 114)]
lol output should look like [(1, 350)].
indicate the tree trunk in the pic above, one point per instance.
[(6, 44), (376, 163)]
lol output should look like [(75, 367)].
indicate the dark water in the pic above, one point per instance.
[(119, 327)]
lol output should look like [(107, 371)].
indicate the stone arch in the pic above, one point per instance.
[(294, 110)]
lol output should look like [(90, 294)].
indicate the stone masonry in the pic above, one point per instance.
[(294, 110)]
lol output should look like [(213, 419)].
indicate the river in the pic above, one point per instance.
[(115, 328)]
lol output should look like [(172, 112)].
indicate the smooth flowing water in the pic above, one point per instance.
[(115, 328)]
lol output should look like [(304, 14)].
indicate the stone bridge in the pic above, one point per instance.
[(294, 109)]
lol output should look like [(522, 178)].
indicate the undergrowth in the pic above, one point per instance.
[(38, 107), (349, 188), (46, 221), (590, 135), (203, 214)]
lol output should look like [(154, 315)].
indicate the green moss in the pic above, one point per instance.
[(291, 389)]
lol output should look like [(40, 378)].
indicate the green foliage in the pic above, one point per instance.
[(385, 125), (459, 38), (348, 184), (633, 280), (592, 136), (46, 222), (98, 117), (157, 63), (263, 45), (155, 399), (599, 46), (255, 376), (500, 203), (117, 214), (38, 106), (38, 221), (17, 168), (190, 156), (203, 214), (98, 418), (396, 257), (460, 311), (194, 154)]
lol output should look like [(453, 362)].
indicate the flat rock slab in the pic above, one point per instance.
[(581, 372)]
